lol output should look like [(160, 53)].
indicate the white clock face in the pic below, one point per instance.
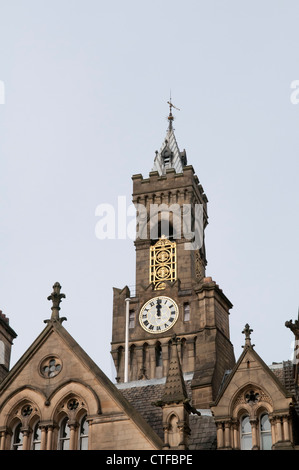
[(158, 314)]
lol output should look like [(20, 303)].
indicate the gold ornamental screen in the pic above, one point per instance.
[(162, 262)]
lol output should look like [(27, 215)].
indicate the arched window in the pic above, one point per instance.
[(265, 433), (186, 311), (246, 434), (132, 319), (83, 437), (158, 350), (17, 437), (64, 435), (173, 431), (36, 437)]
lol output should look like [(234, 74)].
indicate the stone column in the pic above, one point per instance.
[(220, 435), (49, 437), (273, 430), (190, 363), (235, 426), (43, 438), (152, 361), (73, 427), (26, 433), (286, 430), (278, 429), (255, 444), (139, 361), (227, 442), (2, 440)]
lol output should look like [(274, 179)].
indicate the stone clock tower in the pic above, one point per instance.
[(172, 295)]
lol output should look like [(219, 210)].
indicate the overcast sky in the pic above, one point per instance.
[(86, 88)]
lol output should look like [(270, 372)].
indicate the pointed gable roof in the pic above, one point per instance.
[(247, 356), (56, 334)]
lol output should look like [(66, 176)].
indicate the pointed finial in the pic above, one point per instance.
[(247, 330), (170, 116), (56, 297)]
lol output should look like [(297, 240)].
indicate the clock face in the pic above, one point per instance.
[(158, 314)]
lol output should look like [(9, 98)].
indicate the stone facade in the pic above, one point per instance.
[(56, 381), (205, 334), (178, 387)]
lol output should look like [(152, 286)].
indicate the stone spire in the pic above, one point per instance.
[(175, 387), (175, 403), (56, 298), (170, 155)]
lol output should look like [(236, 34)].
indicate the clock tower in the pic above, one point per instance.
[(173, 295)]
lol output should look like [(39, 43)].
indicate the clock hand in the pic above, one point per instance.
[(158, 307)]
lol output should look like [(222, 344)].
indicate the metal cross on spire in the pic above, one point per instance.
[(170, 116)]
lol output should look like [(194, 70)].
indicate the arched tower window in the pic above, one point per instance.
[(36, 437), (17, 437), (186, 311), (265, 433), (173, 431), (64, 435), (83, 437), (158, 352), (246, 433)]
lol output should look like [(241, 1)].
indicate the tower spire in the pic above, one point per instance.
[(170, 155)]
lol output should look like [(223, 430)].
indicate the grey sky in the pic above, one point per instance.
[(86, 86)]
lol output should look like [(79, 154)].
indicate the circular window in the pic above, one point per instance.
[(50, 367), (26, 410)]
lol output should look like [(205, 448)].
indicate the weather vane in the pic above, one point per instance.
[(171, 105), (170, 117)]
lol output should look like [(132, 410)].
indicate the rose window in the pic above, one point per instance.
[(50, 367)]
